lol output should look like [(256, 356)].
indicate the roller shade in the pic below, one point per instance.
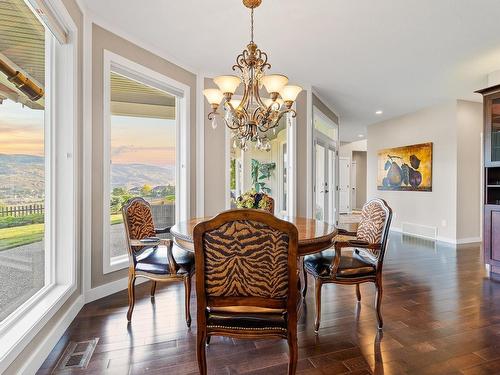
[(47, 16)]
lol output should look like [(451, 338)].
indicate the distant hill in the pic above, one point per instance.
[(23, 175), (137, 175)]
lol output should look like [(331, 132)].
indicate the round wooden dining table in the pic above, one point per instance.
[(314, 235)]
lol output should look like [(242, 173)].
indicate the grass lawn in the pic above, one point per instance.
[(116, 219), (18, 236)]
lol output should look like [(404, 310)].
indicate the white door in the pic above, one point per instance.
[(344, 182), (324, 184), (354, 186)]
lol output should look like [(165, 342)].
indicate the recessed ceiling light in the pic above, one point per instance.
[(379, 112), (360, 135)]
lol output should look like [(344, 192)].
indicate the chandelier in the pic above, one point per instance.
[(252, 117)]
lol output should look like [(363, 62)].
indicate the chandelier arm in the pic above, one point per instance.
[(282, 113), (232, 127), (212, 115)]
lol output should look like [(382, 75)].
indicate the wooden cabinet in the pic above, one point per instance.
[(491, 227)]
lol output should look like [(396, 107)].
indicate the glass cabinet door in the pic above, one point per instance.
[(495, 129)]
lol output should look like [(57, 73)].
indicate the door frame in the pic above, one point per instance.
[(328, 143)]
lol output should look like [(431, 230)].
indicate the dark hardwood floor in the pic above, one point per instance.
[(441, 314)]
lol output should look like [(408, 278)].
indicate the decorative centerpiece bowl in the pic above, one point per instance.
[(252, 199)]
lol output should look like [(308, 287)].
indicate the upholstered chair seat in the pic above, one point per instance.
[(155, 260), (352, 264)]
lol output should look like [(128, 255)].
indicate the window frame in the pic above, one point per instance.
[(61, 159), (132, 70)]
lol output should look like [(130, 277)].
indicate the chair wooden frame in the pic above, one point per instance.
[(288, 305), (360, 247), (133, 274)]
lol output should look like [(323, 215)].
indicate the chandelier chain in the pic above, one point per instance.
[(251, 27)]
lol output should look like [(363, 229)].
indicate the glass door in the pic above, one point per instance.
[(325, 184)]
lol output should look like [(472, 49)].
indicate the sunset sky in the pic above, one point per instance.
[(139, 140), (134, 140), (21, 129)]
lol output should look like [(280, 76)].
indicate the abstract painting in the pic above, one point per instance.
[(407, 168)]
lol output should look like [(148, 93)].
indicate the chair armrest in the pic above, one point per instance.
[(352, 243), (162, 230), (346, 232), (172, 264), (146, 242)]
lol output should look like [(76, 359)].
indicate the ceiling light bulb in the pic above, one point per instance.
[(274, 82), (227, 84), (379, 112), (213, 96), (360, 135)]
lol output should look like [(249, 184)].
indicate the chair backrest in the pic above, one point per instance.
[(373, 227), (246, 257), (138, 220)]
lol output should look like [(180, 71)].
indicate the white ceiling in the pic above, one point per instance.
[(360, 56)]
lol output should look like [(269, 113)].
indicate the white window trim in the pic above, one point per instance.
[(19, 329), (133, 70)]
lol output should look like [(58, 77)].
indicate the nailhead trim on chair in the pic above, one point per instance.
[(250, 329)]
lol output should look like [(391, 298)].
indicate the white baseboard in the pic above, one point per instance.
[(453, 241), (466, 240), (109, 288), (38, 356)]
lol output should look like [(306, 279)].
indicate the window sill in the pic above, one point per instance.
[(20, 328)]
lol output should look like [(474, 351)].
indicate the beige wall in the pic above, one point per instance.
[(469, 207), (346, 149), (24, 356), (359, 157), (301, 162), (101, 40), (448, 127), (215, 163)]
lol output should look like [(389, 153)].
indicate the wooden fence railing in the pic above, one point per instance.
[(22, 210)]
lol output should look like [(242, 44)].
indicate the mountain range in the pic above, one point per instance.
[(22, 175)]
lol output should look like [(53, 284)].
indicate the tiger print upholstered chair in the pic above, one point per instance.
[(246, 279), (151, 257), (361, 260)]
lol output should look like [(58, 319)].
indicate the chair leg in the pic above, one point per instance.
[(131, 295), (318, 285), (358, 293), (201, 354), (378, 302), (208, 340), (153, 288), (293, 353), (187, 301), (304, 290)]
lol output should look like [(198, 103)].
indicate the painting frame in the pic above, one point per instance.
[(405, 168)]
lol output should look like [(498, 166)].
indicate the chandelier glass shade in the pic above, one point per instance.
[(252, 116)]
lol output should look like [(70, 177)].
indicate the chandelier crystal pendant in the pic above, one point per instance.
[(252, 117)]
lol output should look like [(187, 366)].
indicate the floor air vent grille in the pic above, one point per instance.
[(76, 356)]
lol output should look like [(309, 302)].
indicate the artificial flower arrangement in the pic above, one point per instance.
[(252, 199)]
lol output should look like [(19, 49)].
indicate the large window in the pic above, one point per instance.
[(22, 158), (142, 154), (38, 205), (144, 124)]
